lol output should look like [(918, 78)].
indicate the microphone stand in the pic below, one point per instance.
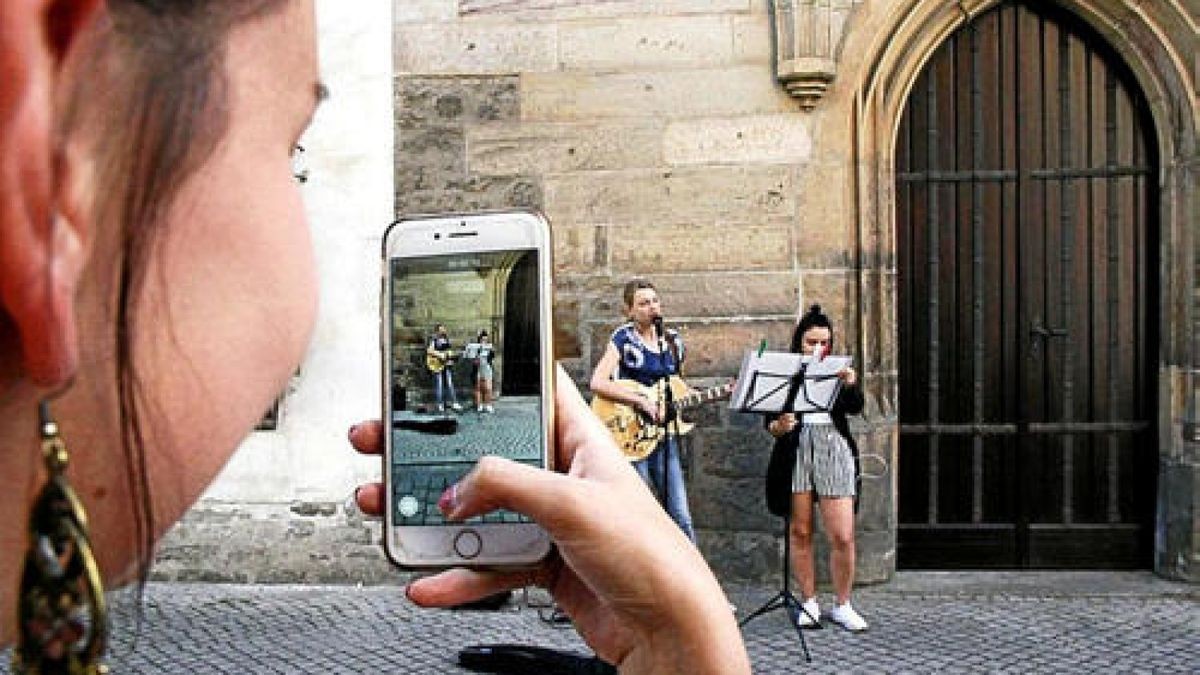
[(669, 413)]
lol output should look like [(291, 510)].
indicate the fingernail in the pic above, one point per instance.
[(350, 434), (449, 499)]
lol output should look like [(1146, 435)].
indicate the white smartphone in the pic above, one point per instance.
[(467, 372)]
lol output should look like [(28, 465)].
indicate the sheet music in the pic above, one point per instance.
[(764, 380)]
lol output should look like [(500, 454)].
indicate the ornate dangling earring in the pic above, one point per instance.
[(63, 622)]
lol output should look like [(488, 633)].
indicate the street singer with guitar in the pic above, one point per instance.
[(640, 361), (439, 356)]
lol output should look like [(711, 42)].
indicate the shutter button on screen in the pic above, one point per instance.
[(468, 544), (409, 506)]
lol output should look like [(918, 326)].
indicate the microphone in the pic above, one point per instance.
[(658, 327), (818, 353)]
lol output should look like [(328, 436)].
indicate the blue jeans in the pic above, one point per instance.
[(440, 388), (663, 471)]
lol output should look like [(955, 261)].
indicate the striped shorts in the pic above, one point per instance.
[(823, 462)]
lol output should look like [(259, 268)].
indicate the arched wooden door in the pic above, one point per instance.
[(522, 371), (1027, 257)]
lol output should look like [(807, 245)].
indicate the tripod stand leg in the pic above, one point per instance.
[(785, 599), (794, 610), (769, 606)]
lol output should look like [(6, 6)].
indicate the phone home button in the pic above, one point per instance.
[(468, 544)]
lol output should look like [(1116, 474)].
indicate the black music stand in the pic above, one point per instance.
[(777, 382)]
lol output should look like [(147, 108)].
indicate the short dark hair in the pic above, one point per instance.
[(633, 286)]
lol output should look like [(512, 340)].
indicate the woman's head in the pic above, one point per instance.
[(182, 289), (814, 330), (641, 301), (483, 337)]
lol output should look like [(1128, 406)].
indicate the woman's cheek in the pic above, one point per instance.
[(297, 281), (224, 327)]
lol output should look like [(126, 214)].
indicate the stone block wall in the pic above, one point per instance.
[(656, 140), (654, 135), (296, 543)]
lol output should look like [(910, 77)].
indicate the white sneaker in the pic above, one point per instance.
[(456, 407), (441, 408), (810, 614), (849, 619), (489, 408)]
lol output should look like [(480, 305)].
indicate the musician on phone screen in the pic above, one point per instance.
[(438, 359)]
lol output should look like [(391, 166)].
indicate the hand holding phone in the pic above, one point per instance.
[(637, 590), (454, 285)]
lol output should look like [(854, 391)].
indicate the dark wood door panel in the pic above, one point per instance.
[(990, 546), (1026, 254), (1108, 546)]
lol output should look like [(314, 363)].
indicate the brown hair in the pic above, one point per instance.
[(633, 286), (159, 67)]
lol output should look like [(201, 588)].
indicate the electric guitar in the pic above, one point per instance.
[(437, 361), (636, 434)]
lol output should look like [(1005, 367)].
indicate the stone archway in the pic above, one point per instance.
[(1157, 43)]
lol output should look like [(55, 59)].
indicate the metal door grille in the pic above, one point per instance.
[(1026, 243)]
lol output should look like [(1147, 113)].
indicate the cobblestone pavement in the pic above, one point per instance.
[(920, 622), (512, 431), (426, 464)]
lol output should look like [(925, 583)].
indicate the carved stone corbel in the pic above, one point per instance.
[(808, 40)]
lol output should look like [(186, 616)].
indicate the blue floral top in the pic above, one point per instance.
[(638, 361)]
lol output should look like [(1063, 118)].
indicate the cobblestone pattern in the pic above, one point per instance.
[(513, 431), (326, 629), (990, 634)]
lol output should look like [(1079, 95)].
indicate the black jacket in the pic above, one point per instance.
[(783, 454)]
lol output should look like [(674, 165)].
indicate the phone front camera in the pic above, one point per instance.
[(437, 235)]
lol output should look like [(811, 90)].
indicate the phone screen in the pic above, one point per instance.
[(465, 373)]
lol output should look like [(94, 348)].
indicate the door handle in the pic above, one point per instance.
[(1037, 330)]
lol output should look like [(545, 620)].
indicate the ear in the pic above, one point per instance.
[(42, 236)]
